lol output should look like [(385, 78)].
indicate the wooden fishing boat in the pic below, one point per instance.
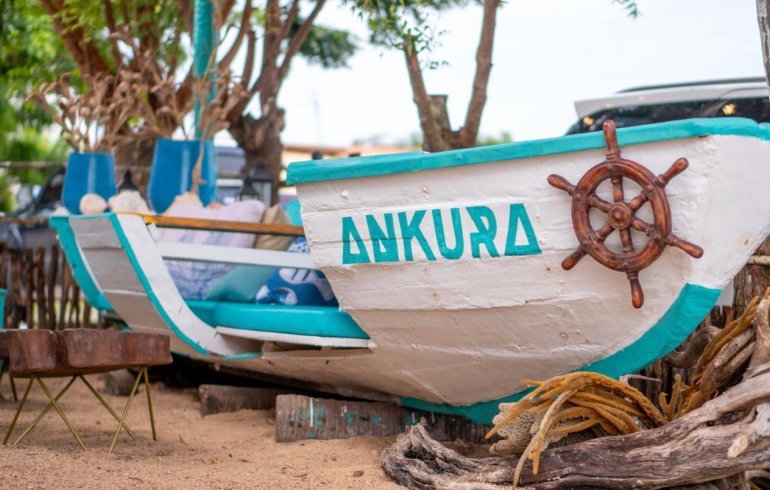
[(462, 273)]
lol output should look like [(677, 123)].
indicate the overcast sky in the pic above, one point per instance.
[(547, 54)]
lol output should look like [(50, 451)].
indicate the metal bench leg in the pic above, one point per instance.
[(149, 402), (13, 387), (3, 369), (125, 411), (45, 411), (104, 403), (18, 411), (59, 410)]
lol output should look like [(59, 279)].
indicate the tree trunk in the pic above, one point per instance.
[(432, 110), (763, 7), (752, 280), (261, 139)]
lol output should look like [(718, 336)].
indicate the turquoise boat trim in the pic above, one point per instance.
[(376, 166), (688, 310), (318, 321), (77, 263), (244, 356), (148, 288)]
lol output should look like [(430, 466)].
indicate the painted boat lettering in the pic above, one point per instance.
[(386, 231)]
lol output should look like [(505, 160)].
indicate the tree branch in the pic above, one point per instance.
[(291, 16), (185, 8), (109, 15), (763, 7), (298, 39), (242, 32), (248, 67), (431, 130), (470, 130), (86, 56)]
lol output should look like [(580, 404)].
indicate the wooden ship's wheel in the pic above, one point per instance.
[(621, 214)]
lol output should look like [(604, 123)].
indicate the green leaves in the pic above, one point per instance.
[(630, 6), (327, 47), (393, 23)]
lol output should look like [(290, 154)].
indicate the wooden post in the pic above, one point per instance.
[(752, 280), (65, 283), (17, 302), (27, 265), (51, 278), (40, 289)]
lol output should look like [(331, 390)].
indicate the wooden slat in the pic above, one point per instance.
[(233, 255), (232, 226)]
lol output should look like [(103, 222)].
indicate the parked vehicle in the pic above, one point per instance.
[(41, 205), (745, 97)]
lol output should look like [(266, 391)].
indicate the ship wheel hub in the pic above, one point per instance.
[(620, 215)]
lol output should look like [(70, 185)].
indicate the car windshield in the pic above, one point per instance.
[(757, 109)]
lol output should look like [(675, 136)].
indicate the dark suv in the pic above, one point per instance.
[(747, 97)]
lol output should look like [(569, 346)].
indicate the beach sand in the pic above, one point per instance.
[(223, 451)]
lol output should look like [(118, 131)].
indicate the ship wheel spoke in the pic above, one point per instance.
[(643, 226), (637, 295), (573, 258), (617, 189), (689, 248), (638, 201), (626, 240), (605, 231), (597, 202)]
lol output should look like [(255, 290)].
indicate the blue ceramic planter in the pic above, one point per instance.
[(88, 173), (172, 168)]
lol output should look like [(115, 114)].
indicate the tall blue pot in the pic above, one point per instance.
[(172, 167), (88, 173)]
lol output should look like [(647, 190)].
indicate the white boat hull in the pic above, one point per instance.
[(469, 329), (458, 330)]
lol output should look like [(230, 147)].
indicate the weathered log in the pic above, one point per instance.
[(221, 399), (727, 436)]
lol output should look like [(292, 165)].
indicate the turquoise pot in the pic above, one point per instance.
[(172, 167), (88, 173)]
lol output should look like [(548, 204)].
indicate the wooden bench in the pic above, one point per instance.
[(38, 354)]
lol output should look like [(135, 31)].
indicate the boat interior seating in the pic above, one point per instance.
[(118, 260)]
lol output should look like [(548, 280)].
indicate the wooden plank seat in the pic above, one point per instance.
[(38, 354)]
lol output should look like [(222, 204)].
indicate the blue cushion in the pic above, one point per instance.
[(289, 286), (240, 284), (205, 310), (319, 321)]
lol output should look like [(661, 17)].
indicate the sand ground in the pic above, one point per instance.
[(223, 451)]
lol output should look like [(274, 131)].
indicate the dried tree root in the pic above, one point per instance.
[(689, 450)]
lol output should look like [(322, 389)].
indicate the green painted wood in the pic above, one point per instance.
[(301, 417)]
